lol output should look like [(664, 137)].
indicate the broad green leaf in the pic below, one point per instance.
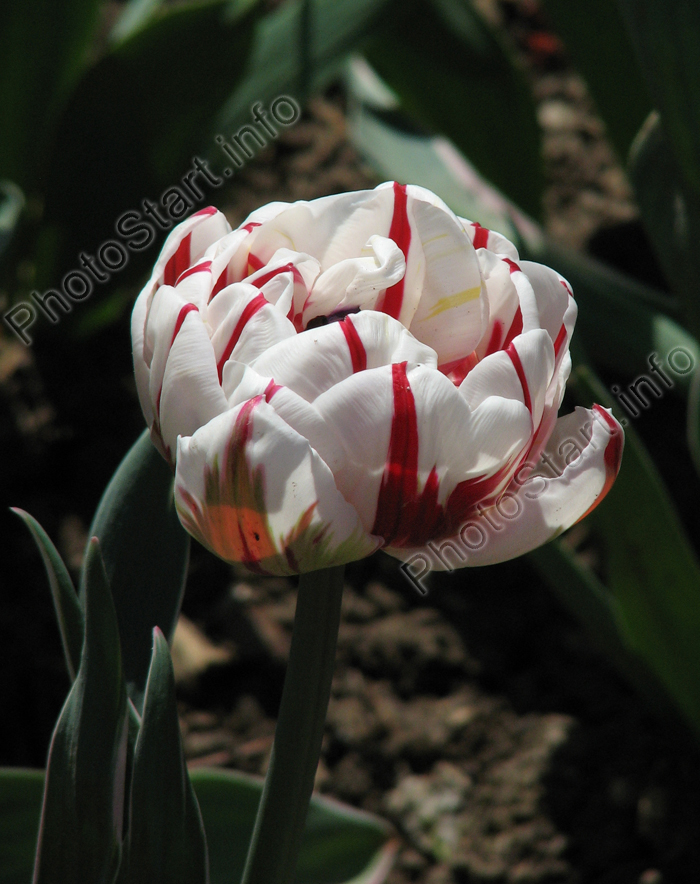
[(580, 591), (429, 161), (666, 37), (340, 844), (145, 551), (651, 569), (332, 28), (454, 77), (135, 15), (670, 212), (597, 40), (166, 842), (82, 813), (134, 125), (20, 809), (43, 49), (69, 611)]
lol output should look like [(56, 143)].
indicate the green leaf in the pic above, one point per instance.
[(429, 161), (166, 842), (69, 611), (596, 37), (82, 813), (281, 62), (146, 552), (136, 121), (43, 49), (20, 808), (454, 77), (670, 212), (651, 569), (580, 591), (135, 15), (666, 37), (339, 844)]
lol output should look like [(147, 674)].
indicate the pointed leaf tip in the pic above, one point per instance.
[(69, 611)]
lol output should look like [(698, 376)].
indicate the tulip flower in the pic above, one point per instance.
[(364, 371)]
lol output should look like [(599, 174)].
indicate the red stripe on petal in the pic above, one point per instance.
[(187, 308), (516, 328), (567, 287), (251, 225), (271, 389), (457, 370), (287, 268), (481, 236), (494, 343), (358, 354), (520, 371), (559, 343), (220, 283), (179, 262), (198, 268), (249, 311), (400, 479), (513, 266), (400, 232), (254, 263), (481, 491), (210, 210)]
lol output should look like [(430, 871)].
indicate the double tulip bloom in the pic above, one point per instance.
[(364, 371)]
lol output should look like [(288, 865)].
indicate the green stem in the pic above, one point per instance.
[(279, 825)]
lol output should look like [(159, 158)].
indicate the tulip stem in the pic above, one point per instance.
[(284, 803)]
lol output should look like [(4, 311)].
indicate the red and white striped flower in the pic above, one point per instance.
[(363, 371)]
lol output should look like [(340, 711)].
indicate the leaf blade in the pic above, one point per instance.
[(84, 790), (146, 552)]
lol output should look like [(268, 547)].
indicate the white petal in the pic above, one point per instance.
[(187, 243), (522, 372), (356, 282), (253, 490), (245, 325), (191, 394), (505, 318), (581, 462), (360, 411), (544, 302), (245, 383), (489, 239), (286, 280), (319, 358), (427, 433), (452, 312), (329, 229)]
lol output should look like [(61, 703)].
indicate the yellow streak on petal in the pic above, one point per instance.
[(452, 301)]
